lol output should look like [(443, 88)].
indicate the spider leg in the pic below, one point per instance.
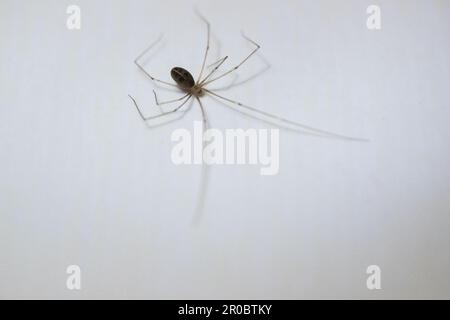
[(204, 117), (158, 103), (208, 34), (213, 64), (213, 70), (286, 121), (162, 114), (234, 83), (136, 62), (240, 64)]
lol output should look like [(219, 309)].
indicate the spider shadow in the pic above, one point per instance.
[(204, 179), (201, 199), (205, 174)]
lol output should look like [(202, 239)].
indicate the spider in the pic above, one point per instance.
[(198, 88)]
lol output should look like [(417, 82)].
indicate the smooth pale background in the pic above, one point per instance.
[(83, 181)]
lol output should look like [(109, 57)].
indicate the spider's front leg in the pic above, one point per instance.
[(141, 67), (208, 36), (240, 64)]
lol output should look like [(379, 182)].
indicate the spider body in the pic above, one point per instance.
[(186, 82), (182, 77), (197, 89)]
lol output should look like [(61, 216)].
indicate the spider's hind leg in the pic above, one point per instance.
[(162, 115), (264, 116)]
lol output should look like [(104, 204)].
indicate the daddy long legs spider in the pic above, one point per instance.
[(191, 88)]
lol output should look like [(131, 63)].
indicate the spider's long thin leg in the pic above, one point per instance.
[(136, 62), (213, 70), (158, 103), (234, 83), (208, 34), (160, 115), (214, 63), (240, 64), (286, 121), (204, 117)]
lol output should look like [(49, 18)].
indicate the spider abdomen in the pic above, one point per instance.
[(182, 77)]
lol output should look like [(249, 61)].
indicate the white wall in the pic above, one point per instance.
[(83, 181)]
